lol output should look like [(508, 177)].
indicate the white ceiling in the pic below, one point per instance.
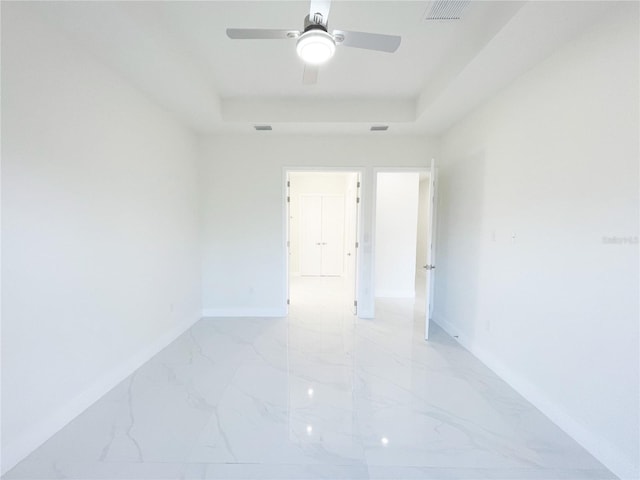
[(177, 52)]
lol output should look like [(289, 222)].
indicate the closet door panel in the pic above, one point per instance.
[(332, 235), (310, 235)]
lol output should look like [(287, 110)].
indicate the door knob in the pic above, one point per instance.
[(429, 267)]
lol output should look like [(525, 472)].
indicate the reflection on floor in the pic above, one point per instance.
[(319, 394)]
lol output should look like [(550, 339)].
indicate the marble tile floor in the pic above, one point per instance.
[(319, 394)]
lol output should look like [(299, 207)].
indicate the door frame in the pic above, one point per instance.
[(285, 221)]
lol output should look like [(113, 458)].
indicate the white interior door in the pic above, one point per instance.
[(310, 235), (288, 239), (431, 265), (332, 252), (322, 235)]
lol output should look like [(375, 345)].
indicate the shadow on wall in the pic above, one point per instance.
[(460, 200)]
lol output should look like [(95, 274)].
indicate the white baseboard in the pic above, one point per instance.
[(244, 312), (448, 327), (365, 313), (395, 293), (600, 448), (14, 452)]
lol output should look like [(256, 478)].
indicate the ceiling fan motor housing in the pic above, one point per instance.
[(315, 45), (315, 20)]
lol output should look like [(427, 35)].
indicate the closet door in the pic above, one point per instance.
[(322, 235), (311, 235), (332, 235)]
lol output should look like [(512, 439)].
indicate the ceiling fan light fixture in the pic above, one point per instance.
[(315, 46)]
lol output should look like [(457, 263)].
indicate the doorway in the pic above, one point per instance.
[(404, 239), (322, 214)]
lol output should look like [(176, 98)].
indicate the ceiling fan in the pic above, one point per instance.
[(315, 44)]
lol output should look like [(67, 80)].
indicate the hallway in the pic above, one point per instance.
[(320, 394)]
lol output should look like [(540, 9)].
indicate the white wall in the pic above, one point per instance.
[(100, 264), (243, 227), (396, 234), (553, 160)]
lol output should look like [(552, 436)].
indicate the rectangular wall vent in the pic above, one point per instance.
[(262, 127), (447, 9), (379, 128)]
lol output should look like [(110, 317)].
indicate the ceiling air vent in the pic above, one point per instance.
[(379, 128), (447, 9), (262, 128)]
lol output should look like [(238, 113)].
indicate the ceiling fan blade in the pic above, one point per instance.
[(260, 33), (310, 75), (370, 41), (322, 7)]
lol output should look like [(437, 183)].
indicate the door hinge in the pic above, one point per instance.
[(358, 200), (288, 302), (288, 199), (355, 303), (288, 183), (357, 244), (288, 243), (358, 185)]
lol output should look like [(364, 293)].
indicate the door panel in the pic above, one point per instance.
[(322, 235), (332, 235), (311, 235), (431, 260)]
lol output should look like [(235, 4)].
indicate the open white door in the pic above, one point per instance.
[(287, 220), (431, 264)]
